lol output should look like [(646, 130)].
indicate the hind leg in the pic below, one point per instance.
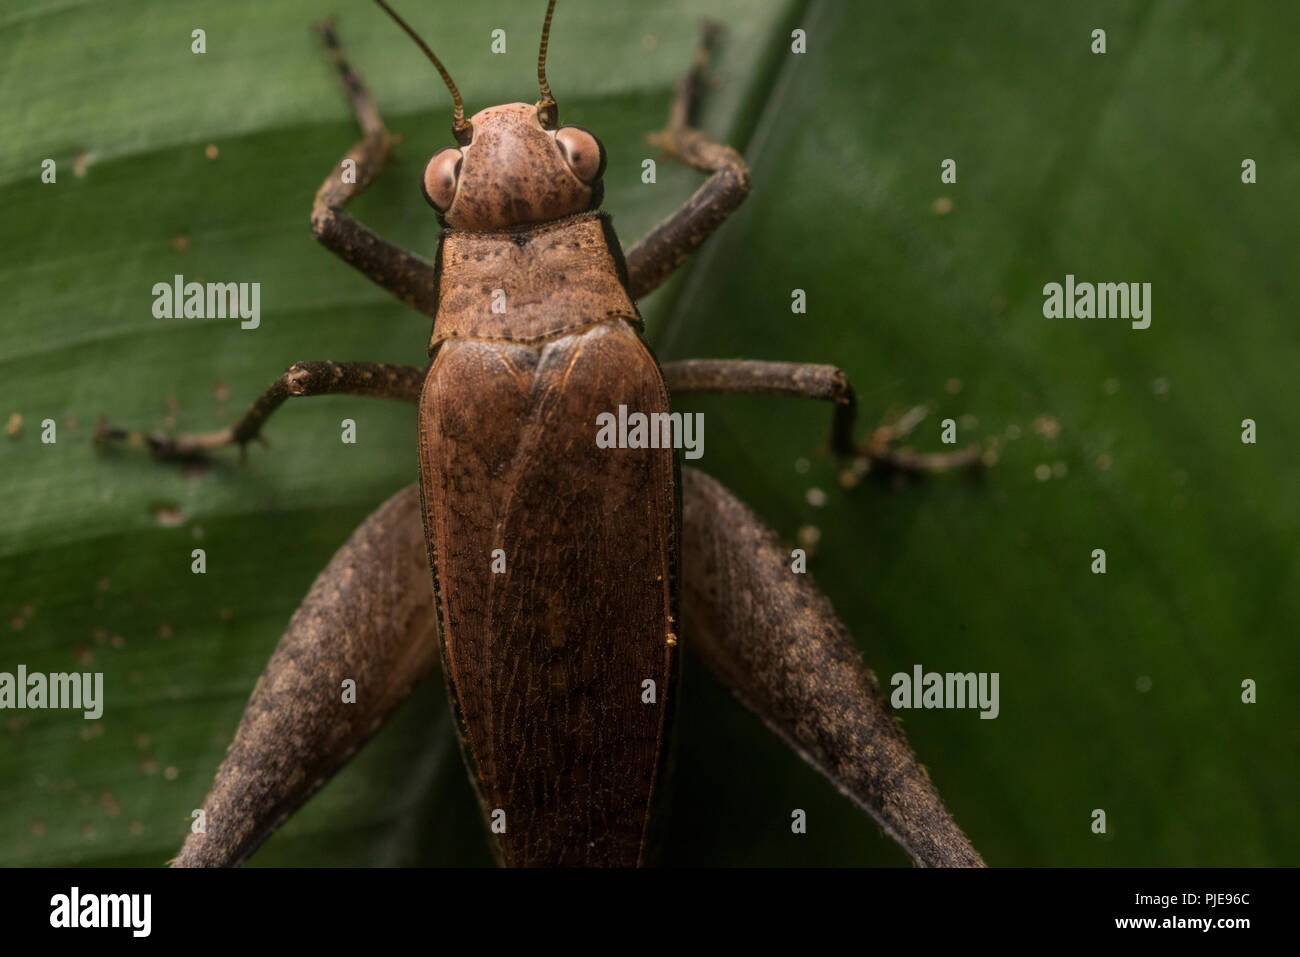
[(369, 617), (773, 638)]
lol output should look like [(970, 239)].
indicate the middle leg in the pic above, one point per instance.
[(753, 377), (806, 380), (375, 379)]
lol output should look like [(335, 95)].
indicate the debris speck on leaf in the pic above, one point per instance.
[(168, 516)]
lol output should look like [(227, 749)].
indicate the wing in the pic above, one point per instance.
[(554, 564)]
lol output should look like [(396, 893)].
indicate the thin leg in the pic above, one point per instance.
[(879, 449), (773, 638), (407, 276), (829, 384), (752, 377), (369, 617), (375, 379), (669, 244)]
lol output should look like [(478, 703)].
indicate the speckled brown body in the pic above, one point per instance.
[(546, 661)]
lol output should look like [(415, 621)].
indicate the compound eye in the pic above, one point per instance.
[(582, 152), (441, 176)]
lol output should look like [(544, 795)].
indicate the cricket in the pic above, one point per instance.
[(549, 571)]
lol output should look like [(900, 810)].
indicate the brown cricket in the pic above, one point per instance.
[(545, 573)]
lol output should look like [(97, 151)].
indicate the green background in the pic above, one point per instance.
[(1116, 167)]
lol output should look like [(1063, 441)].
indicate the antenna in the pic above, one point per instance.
[(460, 127), (548, 112)]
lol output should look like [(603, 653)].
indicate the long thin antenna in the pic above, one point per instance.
[(548, 112), (460, 128)]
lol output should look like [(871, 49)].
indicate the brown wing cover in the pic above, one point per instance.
[(546, 660)]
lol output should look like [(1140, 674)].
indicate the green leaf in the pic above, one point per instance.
[(1116, 167)]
